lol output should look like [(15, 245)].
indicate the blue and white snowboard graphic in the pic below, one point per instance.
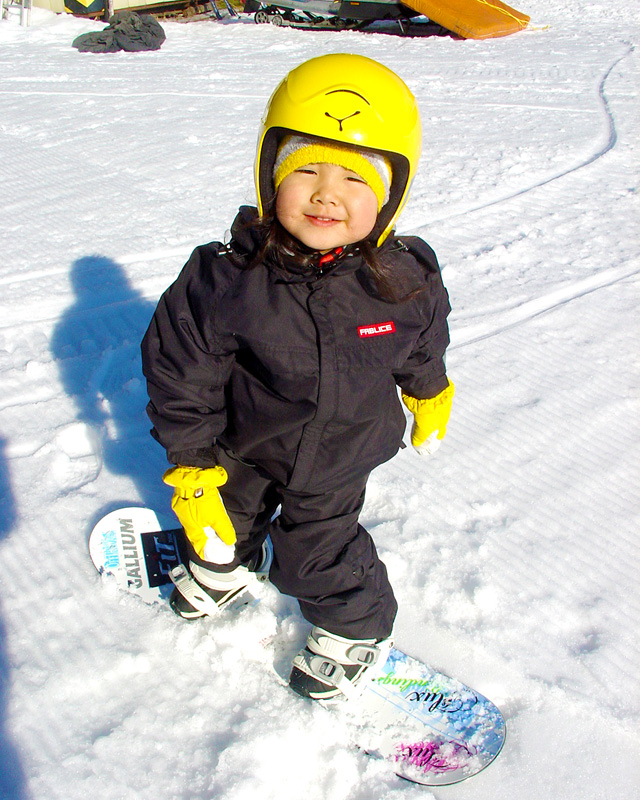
[(434, 729), (431, 728)]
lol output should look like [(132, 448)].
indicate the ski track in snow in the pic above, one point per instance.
[(514, 552), (609, 145)]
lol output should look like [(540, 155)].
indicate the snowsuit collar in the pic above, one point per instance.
[(245, 241)]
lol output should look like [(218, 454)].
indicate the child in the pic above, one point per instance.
[(273, 364)]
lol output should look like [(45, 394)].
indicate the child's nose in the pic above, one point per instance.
[(325, 190)]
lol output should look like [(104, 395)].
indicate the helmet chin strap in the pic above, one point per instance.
[(329, 258)]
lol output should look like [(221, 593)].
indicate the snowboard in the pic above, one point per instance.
[(432, 729)]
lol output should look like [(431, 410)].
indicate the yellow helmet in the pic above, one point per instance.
[(350, 99)]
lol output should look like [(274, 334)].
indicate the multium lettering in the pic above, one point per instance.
[(130, 551), (110, 550)]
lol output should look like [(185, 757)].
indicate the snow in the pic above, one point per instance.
[(513, 551)]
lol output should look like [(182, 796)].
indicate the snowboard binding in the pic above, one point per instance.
[(201, 592)]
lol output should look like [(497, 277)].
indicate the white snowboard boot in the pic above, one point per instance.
[(330, 665), (202, 591)]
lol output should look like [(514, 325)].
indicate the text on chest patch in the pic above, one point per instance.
[(376, 330)]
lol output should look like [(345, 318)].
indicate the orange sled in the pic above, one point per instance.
[(472, 19)]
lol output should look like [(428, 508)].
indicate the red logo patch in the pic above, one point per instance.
[(376, 330)]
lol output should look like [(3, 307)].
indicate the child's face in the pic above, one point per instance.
[(326, 206)]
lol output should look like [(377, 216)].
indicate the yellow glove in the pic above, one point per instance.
[(430, 419), (198, 505)]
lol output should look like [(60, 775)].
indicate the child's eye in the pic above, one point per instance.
[(307, 170), (356, 179)]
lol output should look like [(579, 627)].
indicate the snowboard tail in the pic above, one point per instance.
[(139, 549)]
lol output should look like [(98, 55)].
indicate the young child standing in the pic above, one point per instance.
[(273, 364)]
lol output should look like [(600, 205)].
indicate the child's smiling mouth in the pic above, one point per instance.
[(321, 221)]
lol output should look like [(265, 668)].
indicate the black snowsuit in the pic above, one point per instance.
[(289, 380)]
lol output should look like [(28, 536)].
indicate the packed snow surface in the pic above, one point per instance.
[(513, 551)]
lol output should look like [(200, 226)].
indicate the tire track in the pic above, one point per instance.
[(527, 311), (612, 139), (551, 206)]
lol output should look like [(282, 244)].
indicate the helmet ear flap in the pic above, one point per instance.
[(398, 196), (265, 159)]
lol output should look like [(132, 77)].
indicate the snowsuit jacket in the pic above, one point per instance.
[(293, 372)]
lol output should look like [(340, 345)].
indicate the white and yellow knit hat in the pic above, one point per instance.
[(298, 151)]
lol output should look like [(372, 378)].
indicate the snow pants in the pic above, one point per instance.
[(322, 555)]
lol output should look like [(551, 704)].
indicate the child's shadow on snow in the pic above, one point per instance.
[(97, 347)]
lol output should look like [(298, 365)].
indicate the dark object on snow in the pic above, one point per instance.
[(126, 31)]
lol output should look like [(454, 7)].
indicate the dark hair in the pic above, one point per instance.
[(288, 253)]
